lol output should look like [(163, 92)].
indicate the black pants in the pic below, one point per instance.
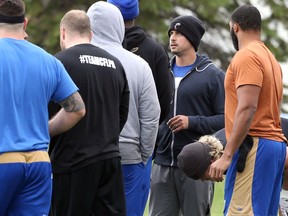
[(95, 190)]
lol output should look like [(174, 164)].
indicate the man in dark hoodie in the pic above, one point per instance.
[(197, 110), (137, 41)]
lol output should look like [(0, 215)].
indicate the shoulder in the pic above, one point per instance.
[(132, 57), (248, 54), (215, 69), (152, 44), (205, 64), (138, 65), (245, 60)]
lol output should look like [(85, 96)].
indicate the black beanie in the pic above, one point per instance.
[(194, 159), (191, 27)]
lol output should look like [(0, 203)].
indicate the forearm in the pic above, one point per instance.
[(148, 139), (73, 109), (206, 124), (241, 125), (63, 121)]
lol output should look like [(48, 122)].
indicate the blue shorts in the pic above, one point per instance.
[(146, 185), (25, 183), (133, 185), (256, 190)]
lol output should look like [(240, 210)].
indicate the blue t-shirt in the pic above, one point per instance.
[(29, 79), (181, 71)]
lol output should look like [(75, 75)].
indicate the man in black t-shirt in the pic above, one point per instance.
[(87, 174)]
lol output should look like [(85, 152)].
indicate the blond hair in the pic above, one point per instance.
[(214, 144)]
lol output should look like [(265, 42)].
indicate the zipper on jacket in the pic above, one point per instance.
[(175, 102), (174, 113)]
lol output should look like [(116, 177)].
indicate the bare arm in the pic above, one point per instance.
[(247, 96), (73, 109)]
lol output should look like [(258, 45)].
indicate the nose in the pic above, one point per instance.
[(172, 37)]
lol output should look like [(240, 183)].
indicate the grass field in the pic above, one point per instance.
[(218, 201)]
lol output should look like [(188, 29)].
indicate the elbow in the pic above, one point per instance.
[(249, 112), (251, 109), (252, 112)]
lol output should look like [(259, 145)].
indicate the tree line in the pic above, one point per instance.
[(155, 16)]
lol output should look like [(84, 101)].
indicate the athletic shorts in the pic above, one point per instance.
[(133, 185), (96, 189), (256, 190), (25, 183)]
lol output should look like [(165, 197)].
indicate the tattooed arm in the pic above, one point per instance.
[(73, 109)]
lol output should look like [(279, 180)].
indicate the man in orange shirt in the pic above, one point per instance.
[(254, 90)]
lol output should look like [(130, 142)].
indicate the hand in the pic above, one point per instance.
[(218, 167), (178, 123)]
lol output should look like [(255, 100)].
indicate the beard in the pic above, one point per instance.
[(234, 40), (175, 52)]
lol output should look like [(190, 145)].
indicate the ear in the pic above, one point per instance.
[(24, 28), (62, 33), (235, 27), (25, 23)]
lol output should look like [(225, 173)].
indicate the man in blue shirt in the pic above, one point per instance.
[(30, 78)]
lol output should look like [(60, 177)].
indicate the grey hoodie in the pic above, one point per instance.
[(138, 136)]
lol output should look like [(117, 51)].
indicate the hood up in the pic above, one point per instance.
[(107, 24)]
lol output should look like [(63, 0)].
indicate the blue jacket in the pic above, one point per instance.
[(200, 96)]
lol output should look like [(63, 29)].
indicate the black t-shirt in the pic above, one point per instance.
[(102, 83)]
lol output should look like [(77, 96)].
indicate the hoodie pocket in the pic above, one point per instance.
[(164, 138)]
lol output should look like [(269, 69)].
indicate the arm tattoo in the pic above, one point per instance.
[(73, 103)]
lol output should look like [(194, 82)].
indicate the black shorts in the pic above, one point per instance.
[(93, 190)]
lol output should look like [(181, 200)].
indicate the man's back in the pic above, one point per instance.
[(29, 78), (138, 136), (266, 122), (104, 89)]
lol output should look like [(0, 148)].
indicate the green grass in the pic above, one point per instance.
[(218, 201)]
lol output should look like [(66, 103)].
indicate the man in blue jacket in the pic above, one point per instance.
[(197, 109)]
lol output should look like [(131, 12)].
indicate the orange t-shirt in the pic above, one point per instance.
[(252, 65)]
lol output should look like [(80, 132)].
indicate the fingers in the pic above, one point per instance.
[(220, 179), (216, 175), (216, 172), (208, 177), (176, 124), (175, 127)]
